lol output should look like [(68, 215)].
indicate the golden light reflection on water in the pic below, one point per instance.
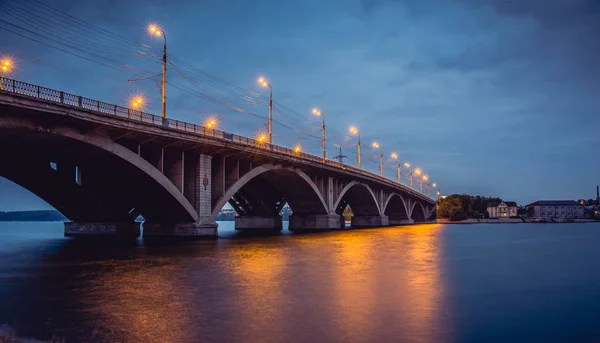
[(258, 298), (354, 293), (351, 286), (422, 280), (138, 303), (388, 281)]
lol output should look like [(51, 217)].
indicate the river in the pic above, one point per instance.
[(422, 283)]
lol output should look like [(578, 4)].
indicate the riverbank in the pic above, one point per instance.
[(505, 221)]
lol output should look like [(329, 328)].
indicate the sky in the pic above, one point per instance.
[(490, 97)]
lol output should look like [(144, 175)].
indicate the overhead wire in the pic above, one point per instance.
[(101, 46)]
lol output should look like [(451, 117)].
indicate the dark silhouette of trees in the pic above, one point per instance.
[(462, 206)]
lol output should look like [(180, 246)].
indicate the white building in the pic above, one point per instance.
[(556, 209), (505, 209)]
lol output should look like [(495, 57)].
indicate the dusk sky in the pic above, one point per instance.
[(491, 97)]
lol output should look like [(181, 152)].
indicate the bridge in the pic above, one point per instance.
[(102, 165)]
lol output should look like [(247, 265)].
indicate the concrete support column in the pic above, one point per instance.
[(397, 221), (259, 223), (205, 227), (315, 222), (185, 230), (174, 167), (369, 221), (125, 230)]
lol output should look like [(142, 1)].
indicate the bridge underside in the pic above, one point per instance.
[(102, 175), (259, 202), (86, 184)]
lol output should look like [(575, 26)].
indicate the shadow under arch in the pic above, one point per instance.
[(395, 208), (116, 183), (267, 188), (360, 197), (418, 213)]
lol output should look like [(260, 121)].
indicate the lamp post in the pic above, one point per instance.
[(354, 131), (423, 178), (155, 30), (261, 138), (434, 185), (136, 103), (418, 173), (6, 65), (318, 112), (264, 83), (377, 146), (395, 157), (428, 189), (410, 172), (211, 124)]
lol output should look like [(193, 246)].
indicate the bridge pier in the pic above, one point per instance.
[(369, 221), (259, 223), (125, 230), (395, 221), (300, 222), (203, 229)]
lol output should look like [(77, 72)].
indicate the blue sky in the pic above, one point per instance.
[(495, 97)]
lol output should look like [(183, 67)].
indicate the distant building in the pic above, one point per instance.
[(557, 209), (505, 209)]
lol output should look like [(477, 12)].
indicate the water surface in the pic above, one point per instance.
[(424, 283)]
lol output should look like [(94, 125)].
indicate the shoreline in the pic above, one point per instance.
[(509, 221)]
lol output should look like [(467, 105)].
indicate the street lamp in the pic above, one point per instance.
[(434, 185), (354, 131), (261, 138), (297, 149), (377, 146), (418, 173), (264, 83), (210, 123), (423, 178), (137, 102), (156, 31), (318, 112), (6, 66), (410, 172), (395, 157)]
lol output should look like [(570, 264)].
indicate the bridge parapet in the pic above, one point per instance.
[(198, 170)]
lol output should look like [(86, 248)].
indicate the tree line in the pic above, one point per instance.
[(462, 206)]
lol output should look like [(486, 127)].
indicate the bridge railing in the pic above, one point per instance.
[(35, 91)]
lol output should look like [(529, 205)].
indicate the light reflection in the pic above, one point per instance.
[(355, 285), (143, 304), (422, 280), (257, 292), (382, 286)]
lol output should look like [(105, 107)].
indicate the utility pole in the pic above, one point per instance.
[(340, 157), (270, 114), (155, 30)]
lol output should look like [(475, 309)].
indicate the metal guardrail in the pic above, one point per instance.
[(39, 92)]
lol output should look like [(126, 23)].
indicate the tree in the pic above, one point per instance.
[(464, 206)]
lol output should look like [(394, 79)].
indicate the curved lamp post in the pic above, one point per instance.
[(155, 30), (265, 83)]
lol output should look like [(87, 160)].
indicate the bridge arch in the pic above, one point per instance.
[(361, 199), (418, 212), (297, 198), (135, 185), (395, 207)]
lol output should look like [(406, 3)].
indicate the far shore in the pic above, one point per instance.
[(505, 221)]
